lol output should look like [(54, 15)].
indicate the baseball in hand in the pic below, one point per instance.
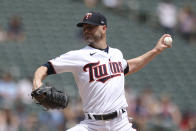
[(168, 41)]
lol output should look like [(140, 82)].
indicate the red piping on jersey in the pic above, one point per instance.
[(103, 80)]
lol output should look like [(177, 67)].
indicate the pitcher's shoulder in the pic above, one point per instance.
[(78, 53), (115, 50)]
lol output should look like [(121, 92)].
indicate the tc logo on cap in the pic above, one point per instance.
[(88, 15)]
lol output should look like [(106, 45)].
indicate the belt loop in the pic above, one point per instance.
[(118, 112), (101, 117), (91, 116)]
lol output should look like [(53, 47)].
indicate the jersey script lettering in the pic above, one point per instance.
[(100, 73)]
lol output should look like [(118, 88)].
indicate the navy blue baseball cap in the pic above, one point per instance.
[(93, 18)]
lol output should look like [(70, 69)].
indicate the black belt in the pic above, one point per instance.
[(106, 116)]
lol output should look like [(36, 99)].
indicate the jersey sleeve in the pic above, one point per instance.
[(67, 62), (50, 68)]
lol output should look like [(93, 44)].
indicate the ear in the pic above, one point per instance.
[(104, 27)]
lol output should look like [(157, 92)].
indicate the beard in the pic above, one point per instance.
[(92, 38)]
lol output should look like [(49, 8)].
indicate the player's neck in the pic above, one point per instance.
[(99, 45)]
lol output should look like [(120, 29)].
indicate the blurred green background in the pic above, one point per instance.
[(49, 29)]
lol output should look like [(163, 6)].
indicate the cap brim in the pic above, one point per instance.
[(87, 22)]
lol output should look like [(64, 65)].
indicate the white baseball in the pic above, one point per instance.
[(168, 41)]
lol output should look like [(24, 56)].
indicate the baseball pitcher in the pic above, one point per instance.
[(99, 72)]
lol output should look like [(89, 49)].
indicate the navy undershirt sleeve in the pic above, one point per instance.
[(126, 70), (50, 68)]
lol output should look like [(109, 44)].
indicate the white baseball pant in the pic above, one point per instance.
[(120, 123)]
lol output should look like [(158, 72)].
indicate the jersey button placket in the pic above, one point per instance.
[(109, 67)]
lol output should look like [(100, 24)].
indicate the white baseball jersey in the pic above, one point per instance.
[(99, 76)]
